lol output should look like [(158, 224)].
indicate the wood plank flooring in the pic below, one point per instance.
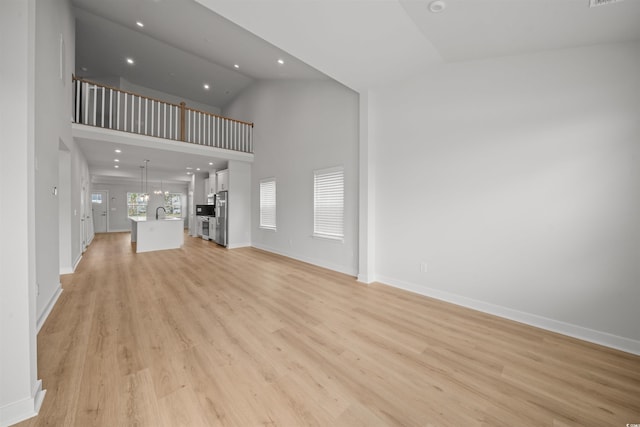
[(204, 336)]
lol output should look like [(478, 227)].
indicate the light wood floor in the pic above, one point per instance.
[(204, 336)]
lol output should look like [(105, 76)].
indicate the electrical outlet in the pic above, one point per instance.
[(423, 267)]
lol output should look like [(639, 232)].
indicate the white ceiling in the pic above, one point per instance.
[(181, 46), (365, 43), (165, 165), (478, 29), (360, 43)]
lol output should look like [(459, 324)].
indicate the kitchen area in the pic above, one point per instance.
[(212, 205), (212, 217), (224, 199)]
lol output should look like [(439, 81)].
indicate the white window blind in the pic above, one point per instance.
[(268, 203), (328, 203)]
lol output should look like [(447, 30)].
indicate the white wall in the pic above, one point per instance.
[(301, 126), (118, 215), (20, 390), (53, 97), (152, 93), (516, 180), (239, 202)]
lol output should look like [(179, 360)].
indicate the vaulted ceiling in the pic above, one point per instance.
[(360, 43)]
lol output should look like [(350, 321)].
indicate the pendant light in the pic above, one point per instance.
[(161, 190), (141, 180), (146, 180)]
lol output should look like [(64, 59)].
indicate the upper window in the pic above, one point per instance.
[(96, 198), (268, 203), (328, 203)]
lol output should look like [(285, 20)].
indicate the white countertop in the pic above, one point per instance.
[(144, 218)]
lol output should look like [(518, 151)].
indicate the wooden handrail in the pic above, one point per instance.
[(182, 105), (219, 116)]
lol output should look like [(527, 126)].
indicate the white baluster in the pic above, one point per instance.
[(124, 128), (102, 108), (152, 117), (139, 114), (110, 108), (77, 112), (95, 104)]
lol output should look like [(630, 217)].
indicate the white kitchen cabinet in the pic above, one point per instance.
[(222, 178), (212, 189), (207, 187)]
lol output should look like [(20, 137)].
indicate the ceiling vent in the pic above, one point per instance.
[(594, 3)]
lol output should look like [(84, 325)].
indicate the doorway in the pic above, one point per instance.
[(64, 209), (100, 209)]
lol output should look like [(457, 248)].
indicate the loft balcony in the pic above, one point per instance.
[(110, 108)]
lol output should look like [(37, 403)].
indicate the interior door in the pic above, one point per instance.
[(100, 210)]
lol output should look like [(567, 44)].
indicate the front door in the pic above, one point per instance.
[(100, 210)]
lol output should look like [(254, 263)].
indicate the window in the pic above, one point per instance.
[(173, 205), (268, 203), (96, 198), (136, 204), (328, 203)]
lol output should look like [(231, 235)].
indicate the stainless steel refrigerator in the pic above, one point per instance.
[(222, 226)]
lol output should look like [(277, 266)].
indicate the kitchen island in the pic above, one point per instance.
[(156, 235)]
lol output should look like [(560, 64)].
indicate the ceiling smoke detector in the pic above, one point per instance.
[(594, 3), (437, 6)]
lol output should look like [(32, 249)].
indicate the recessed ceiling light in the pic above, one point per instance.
[(437, 6), (130, 61), (116, 166), (281, 61), (236, 66), (117, 150), (84, 68), (139, 24), (189, 168), (188, 173), (197, 169), (210, 163), (206, 86), (116, 160)]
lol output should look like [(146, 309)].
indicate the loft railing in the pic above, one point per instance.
[(111, 108)]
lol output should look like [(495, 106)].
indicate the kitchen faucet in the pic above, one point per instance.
[(163, 209)]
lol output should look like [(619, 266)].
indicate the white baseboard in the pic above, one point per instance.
[(365, 279), (21, 410), (75, 264), (119, 230), (48, 307), (575, 331), (319, 263), (239, 245), (71, 270)]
